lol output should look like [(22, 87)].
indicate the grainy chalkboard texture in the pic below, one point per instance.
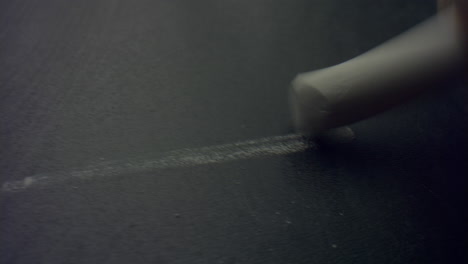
[(110, 88)]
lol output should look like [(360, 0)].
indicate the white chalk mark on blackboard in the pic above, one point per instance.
[(269, 146)]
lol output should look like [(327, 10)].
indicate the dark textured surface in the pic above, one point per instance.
[(84, 81)]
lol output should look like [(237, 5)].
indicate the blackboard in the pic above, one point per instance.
[(159, 132)]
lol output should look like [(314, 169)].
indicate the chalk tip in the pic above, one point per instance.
[(340, 135)]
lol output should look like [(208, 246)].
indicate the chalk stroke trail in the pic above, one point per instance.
[(269, 146)]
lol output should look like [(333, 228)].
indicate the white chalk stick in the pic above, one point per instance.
[(376, 80)]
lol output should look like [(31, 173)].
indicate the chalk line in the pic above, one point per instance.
[(269, 146)]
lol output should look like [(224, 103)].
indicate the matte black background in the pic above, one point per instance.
[(91, 80)]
